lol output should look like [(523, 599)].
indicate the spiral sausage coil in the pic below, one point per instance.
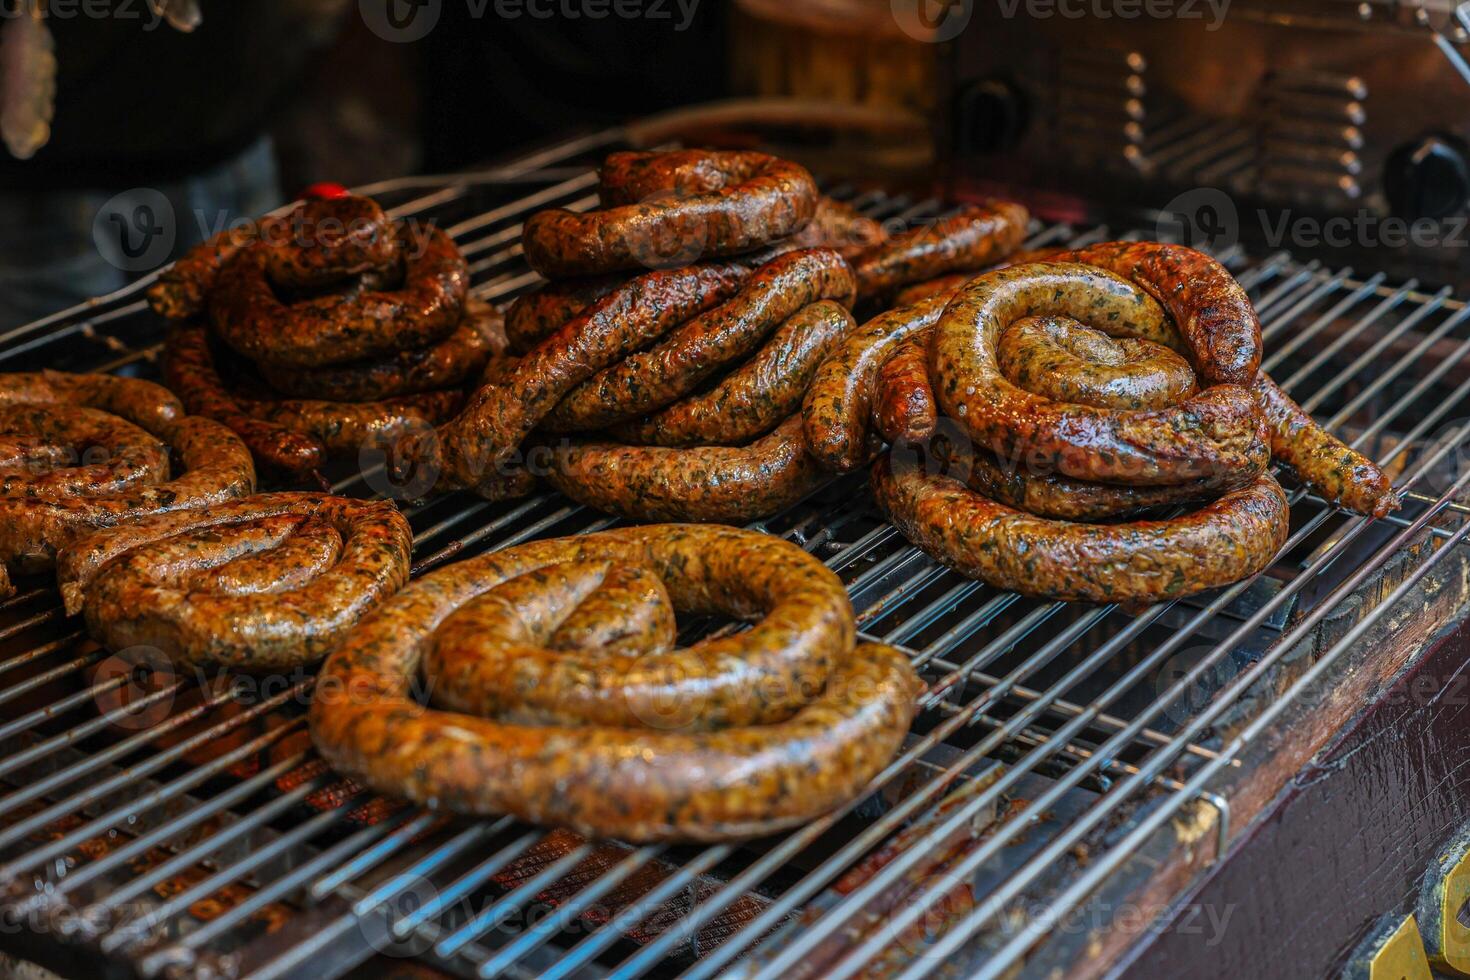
[(268, 582), (340, 329), (1105, 383), (557, 692), (86, 451)]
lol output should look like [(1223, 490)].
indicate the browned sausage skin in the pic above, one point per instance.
[(663, 774), (1339, 473), (903, 402), (268, 582), (460, 356), (542, 312), (978, 236), (649, 380), (837, 409), (1208, 433), (1225, 541), (247, 314), (718, 484), (473, 447), (667, 209), (755, 397), (188, 366), (47, 428)]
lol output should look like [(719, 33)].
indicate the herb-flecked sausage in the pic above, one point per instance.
[(1050, 495), (268, 582), (671, 772), (948, 284), (461, 355), (498, 417), (669, 209), (649, 380), (1339, 473), (42, 506), (540, 313), (1067, 361), (755, 397), (1210, 432), (1223, 542), (718, 484), (840, 227), (188, 366), (903, 401), (837, 409), (977, 236), (247, 314)]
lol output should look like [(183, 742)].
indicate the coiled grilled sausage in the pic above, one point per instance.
[(497, 418), (976, 237), (318, 241), (1340, 474), (648, 380), (42, 508), (188, 366), (837, 408), (346, 427), (1049, 495), (670, 209), (653, 778), (248, 316), (1206, 434), (542, 312), (1067, 361), (1210, 309), (718, 484), (755, 397), (1224, 541), (460, 356), (268, 582)]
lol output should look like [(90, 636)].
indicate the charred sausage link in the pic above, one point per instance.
[(351, 426), (670, 209), (976, 237), (317, 241), (1210, 309), (188, 366), (460, 356), (489, 431), (837, 408), (737, 735), (248, 315), (649, 380), (903, 401), (542, 312), (1046, 494), (42, 506), (268, 582), (1225, 541), (1196, 438), (1339, 473), (755, 397), (718, 484)]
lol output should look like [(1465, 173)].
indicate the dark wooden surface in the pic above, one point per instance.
[(1348, 839)]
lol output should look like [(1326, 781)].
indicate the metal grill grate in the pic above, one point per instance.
[(191, 830)]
